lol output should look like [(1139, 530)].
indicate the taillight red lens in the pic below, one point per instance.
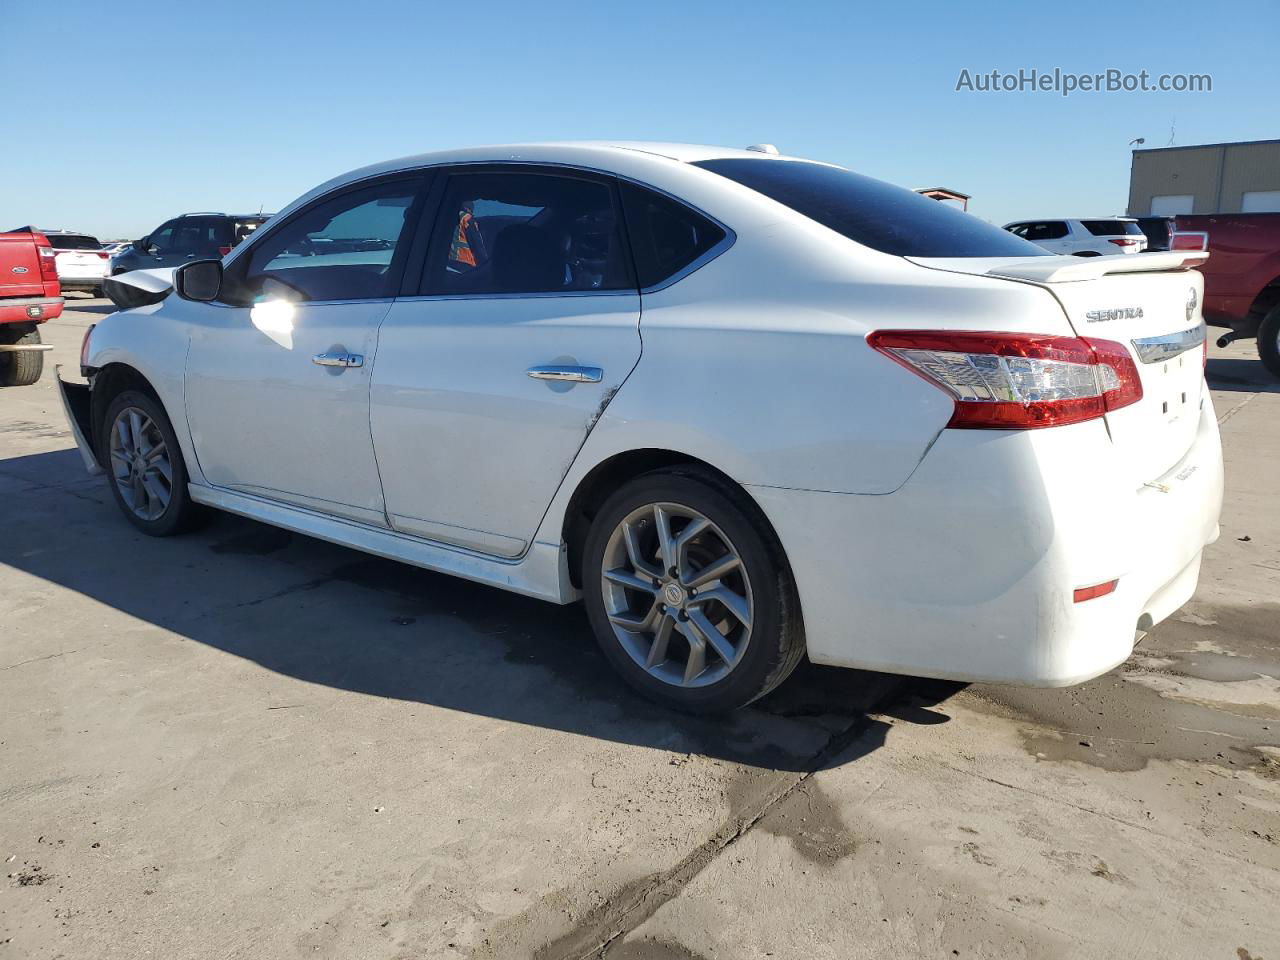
[(1193, 240), (48, 260), (223, 251), (103, 255), (1123, 241), (1017, 381)]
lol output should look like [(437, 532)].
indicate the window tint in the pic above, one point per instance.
[(525, 233), (200, 236), (340, 249), (666, 236), (1112, 228), (1045, 230), (72, 242), (871, 212), (162, 236)]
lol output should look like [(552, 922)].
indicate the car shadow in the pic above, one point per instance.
[(80, 306), (328, 615), (1239, 374)]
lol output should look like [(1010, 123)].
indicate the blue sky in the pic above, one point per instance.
[(137, 111)]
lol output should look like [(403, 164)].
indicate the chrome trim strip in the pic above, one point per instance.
[(1169, 345), (564, 373)]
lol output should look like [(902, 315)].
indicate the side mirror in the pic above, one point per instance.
[(199, 280), (143, 245)]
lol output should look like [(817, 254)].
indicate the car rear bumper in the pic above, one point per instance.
[(82, 283), (36, 309), (968, 571)]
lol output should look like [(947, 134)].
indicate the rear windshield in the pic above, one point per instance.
[(1112, 228), (873, 213), (68, 242)]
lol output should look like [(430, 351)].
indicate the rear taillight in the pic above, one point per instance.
[(103, 255), (1190, 240), (1123, 241), (1017, 381), (48, 262), (223, 251)]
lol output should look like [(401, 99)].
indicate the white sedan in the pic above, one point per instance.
[(746, 407)]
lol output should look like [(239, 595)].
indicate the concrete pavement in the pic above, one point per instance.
[(248, 743)]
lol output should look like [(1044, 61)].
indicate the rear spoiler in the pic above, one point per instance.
[(1064, 269)]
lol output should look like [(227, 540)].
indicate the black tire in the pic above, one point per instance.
[(1269, 341), (776, 643), (20, 368), (181, 513)]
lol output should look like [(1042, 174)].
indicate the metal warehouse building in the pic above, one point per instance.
[(1209, 178)]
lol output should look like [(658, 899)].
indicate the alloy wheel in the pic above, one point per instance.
[(140, 464), (677, 594)]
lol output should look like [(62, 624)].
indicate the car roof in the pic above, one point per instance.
[(1013, 223)]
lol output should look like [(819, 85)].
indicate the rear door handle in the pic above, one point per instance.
[(338, 360), (566, 374)]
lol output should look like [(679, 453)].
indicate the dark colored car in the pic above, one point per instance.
[(1158, 230), (191, 236)]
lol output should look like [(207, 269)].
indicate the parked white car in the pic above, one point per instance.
[(82, 262), (1099, 237), (744, 406)]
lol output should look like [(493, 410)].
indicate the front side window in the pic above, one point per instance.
[(339, 249), (666, 236), (162, 238), (870, 212), (513, 233)]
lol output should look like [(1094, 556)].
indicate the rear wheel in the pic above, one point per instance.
[(145, 467), (1269, 341), (689, 594), (20, 368)]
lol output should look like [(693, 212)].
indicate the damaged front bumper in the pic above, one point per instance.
[(76, 405)]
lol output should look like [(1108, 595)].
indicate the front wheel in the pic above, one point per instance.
[(1269, 341), (689, 594), (145, 468)]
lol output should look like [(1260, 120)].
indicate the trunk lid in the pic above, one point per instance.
[(1150, 303), (19, 266)]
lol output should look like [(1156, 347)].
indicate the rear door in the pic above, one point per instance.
[(490, 375)]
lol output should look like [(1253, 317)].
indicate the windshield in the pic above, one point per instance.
[(873, 213)]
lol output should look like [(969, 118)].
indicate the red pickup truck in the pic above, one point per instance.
[(29, 295), (1241, 277)]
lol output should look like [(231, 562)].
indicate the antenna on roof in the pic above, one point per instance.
[(768, 148)]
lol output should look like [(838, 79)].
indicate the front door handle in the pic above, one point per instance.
[(566, 374), (338, 360)]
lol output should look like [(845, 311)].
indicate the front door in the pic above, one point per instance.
[(488, 381), (278, 374)]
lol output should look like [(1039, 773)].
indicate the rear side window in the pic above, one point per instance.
[(520, 233), (871, 212), (666, 236), (1112, 228)]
